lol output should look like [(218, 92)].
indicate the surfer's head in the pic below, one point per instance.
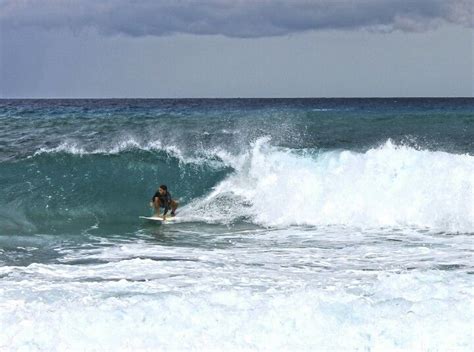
[(163, 189)]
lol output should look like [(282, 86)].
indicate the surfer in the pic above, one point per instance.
[(162, 199)]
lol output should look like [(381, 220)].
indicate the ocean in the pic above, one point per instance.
[(304, 224)]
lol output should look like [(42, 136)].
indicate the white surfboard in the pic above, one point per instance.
[(159, 219)]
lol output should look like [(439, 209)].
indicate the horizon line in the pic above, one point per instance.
[(236, 98)]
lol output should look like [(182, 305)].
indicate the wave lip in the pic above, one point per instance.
[(216, 157), (391, 185), (74, 148)]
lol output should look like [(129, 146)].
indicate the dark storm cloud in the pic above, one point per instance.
[(233, 18)]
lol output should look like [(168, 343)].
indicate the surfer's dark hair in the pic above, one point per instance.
[(163, 187)]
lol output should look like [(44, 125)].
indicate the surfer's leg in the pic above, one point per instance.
[(174, 205), (156, 205)]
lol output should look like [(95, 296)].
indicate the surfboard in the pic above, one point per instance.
[(159, 219)]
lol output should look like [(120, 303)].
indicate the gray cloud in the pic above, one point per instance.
[(233, 18)]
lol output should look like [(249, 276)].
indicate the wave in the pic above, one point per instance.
[(387, 186)]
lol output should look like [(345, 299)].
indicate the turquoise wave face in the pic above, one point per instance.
[(59, 191)]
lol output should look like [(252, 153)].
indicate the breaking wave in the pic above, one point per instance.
[(390, 185)]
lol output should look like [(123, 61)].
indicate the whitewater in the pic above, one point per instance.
[(305, 224)]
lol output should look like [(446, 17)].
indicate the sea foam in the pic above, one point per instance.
[(173, 298), (391, 185)]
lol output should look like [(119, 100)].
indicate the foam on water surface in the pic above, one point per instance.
[(297, 288), (386, 186)]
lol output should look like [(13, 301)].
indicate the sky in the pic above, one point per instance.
[(236, 48)]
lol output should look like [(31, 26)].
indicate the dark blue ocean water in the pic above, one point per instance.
[(352, 124), (300, 221)]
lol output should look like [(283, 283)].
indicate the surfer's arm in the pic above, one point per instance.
[(165, 212)]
